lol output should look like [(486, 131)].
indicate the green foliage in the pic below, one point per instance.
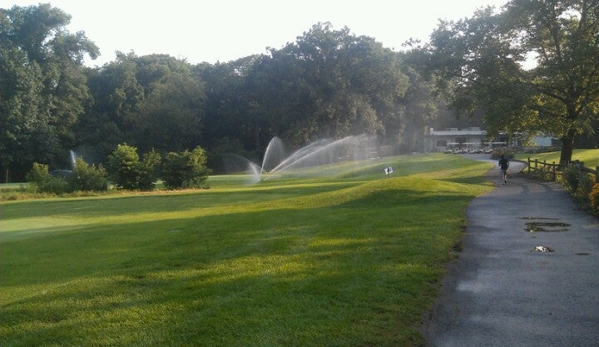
[(185, 169), (579, 185), (87, 177), (39, 176), (153, 101), (483, 59), (41, 181), (84, 177), (571, 178), (594, 198), (170, 116), (123, 167), (117, 93), (149, 167), (583, 192), (544, 173), (42, 86), (127, 171), (329, 83)]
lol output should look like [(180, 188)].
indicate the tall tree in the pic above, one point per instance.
[(420, 110), (170, 118), (20, 106), (485, 59), (151, 102), (43, 85), (329, 83), (230, 111), (116, 93)]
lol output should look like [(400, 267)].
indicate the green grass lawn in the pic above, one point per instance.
[(590, 157), (352, 258)]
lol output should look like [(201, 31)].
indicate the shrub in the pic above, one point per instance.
[(39, 177), (571, 177), (149, 170), (87, 177), (41, 181), (58, 185), (594, 198), (583, 192), (186, 169), (127, 171), (545, 173)]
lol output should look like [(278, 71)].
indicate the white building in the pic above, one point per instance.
[(454, 138), (474, 138)]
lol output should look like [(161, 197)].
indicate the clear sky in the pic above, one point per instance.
[(225, 30)]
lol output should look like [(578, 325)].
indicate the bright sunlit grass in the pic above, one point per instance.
[(590, 157), (352, 259)]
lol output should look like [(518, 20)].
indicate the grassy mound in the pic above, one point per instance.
[(349, 259)]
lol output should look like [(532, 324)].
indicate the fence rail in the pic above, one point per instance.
[(535, 165)]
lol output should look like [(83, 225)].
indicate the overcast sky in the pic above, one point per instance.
[(225, 30)]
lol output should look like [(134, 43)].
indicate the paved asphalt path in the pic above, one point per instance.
[(501, 292)]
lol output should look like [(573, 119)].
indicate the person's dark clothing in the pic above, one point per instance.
[(503, 164)]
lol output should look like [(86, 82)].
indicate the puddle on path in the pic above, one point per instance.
[(543, 225), (535, 227)]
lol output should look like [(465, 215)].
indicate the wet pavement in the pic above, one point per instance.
[(517, 285)]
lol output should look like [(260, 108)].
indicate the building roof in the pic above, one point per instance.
[(472, 131)]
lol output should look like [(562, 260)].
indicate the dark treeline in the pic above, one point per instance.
[(328, 83)]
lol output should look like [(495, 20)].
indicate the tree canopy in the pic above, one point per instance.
[(335, 84), (486, 65), (42, 86), (327, 83)]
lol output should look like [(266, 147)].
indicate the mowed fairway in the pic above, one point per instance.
[(349, 259)]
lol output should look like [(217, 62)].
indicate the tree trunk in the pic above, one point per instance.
[(567, 148)]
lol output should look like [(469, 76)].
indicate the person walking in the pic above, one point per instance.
[(503, 165)]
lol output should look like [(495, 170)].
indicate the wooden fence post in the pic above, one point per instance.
[(529, 165), (554, 173)]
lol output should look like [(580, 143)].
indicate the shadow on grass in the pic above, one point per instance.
[(160, 202), (358, 268)]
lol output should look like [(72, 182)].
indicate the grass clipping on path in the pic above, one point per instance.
[(351, 261)]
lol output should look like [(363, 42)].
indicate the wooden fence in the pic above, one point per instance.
[(552, 169)]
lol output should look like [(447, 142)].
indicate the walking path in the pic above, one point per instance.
[(501, 292)]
